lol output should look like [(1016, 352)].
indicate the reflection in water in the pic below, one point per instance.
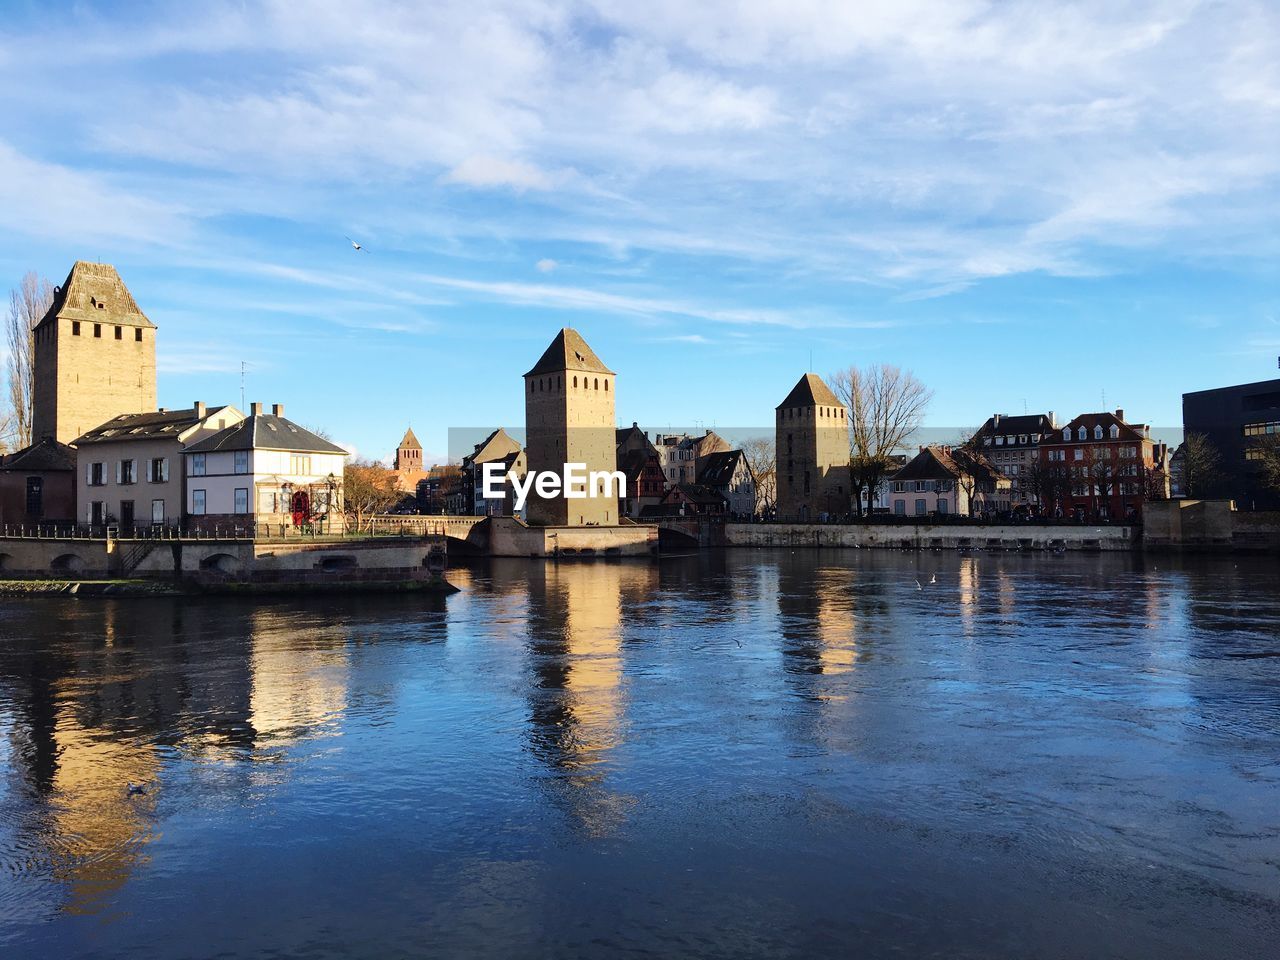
[(754, 753)]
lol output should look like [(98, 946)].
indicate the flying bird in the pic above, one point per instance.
[(354, 244), (918, 587), (934, 578)]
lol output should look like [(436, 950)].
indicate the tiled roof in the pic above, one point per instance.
[(45, 455), (410, 442), (941, 463), (265, 431), (718, 468), (810, 391), (156, 425), (1023, 425), (95, 292), (1128, 431), (568, 351), (495, 446)]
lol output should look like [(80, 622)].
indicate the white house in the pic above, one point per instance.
[(265, 470)]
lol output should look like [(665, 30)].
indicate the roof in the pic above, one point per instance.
[(695, 493), (718, 468), (409, 442), (46, 455), (265, 431), (95, 292), (1128, 431), (810, 391), (1024, 425), (568, 351), (155, 425), (632, 463), (948, 463), (495, 446)]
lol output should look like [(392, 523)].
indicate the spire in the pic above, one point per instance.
[(410, 442), (810, 391)]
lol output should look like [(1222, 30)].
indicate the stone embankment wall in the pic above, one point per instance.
[(1020, 536), (509, 537), (1209, 526)]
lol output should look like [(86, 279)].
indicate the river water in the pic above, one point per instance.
[(734, 755)]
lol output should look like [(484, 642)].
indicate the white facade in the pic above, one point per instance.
[(262, 484)]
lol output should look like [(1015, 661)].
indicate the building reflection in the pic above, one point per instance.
[(574, 643)]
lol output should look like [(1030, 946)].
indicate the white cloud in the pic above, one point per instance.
[(546, 265), (481, 171)]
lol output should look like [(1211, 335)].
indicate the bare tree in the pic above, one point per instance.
[(1264, 454), (885, 405), (761, 455), (1201, 467), (28, 304)]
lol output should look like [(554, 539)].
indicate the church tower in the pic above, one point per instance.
[(812, 452), (95, 356), (569, 418), (408, 463)]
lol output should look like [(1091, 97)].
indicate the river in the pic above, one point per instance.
[(746, 754)]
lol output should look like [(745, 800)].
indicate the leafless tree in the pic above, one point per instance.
[(884, 406), (1264, 453), (762, 460), (28, 303), (1201, 467)]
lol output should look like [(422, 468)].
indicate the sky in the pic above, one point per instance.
[(1032, 206)]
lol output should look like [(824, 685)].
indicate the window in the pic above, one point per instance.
[(1079, 453), (157, 511), (119, 333), (137, 335), (1066, 434), (158, 470), (900, 507), (197, 502), (986, 441), (1115, 431), (242, 461), (96, 476), (899, 486), (242, 499), (921, 485), (1082, 433), (97, 330), (197, 464), (35, 498), (1022, 439), (75, 328), (299, 465), (1097, 432), (1261, 429), (999, 441), (96, 512), (942, 505), (125, 472), (606, 386), (920, 507)]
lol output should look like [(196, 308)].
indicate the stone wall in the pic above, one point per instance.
[(933, 536), (1209, 526), (509, 537)]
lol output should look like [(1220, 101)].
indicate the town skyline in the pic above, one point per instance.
[(713, 200)]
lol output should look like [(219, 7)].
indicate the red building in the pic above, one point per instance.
[(1100, 467)]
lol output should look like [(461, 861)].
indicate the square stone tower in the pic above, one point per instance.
[(812, 451), (95, 356), (409, 463), (569, 418)]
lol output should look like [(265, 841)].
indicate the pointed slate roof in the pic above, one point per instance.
[(568, 351), (94, 292), (810, 391), (410, 442)]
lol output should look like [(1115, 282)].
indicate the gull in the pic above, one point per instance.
[(934, 578), (354, 244), (918, 587)]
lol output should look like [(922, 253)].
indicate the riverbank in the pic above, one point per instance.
[(121, 588)]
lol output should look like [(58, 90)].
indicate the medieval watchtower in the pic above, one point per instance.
[(95, 356), (812, 452), (409, 463), (569, 418)]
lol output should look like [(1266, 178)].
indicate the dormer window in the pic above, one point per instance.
[(1082, 433), (999, 441), (1022, 439), (1066, 433), (1097, 432), (1115, 431)]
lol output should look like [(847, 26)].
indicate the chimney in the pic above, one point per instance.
[(995, 419), (201, 410), (255, 409), (1120, 415), (1053, 420), (277, 409)]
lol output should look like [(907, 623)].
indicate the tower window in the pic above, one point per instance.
[(606, 386), (97, 330), (575, 382), (119, 333), (75, 328), (137, 334), (597, 383)]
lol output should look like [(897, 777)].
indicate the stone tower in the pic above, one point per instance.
[(812, 452), (409, 463), (95, 356), (569, 418)]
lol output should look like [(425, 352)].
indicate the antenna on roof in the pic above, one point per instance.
[(242, 366)]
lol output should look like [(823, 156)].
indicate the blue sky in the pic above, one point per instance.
[(1024, 203)]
